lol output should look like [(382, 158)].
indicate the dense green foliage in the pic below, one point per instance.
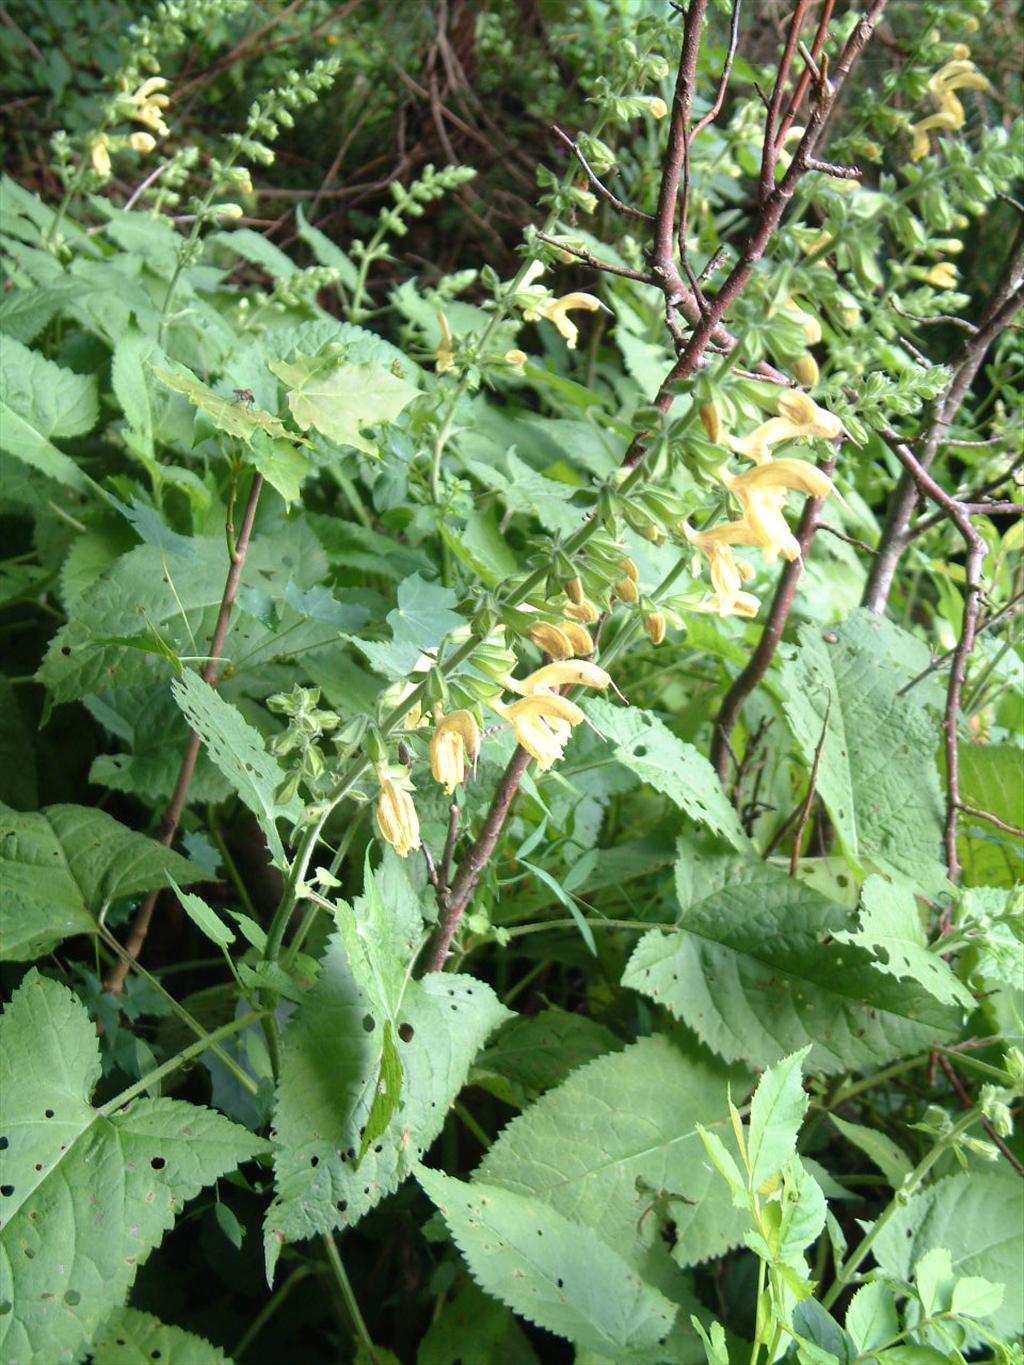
[(338, 1029)]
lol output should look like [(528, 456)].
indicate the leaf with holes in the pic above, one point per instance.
[(85, 1194), (232, 416), (648, 748), (554, 1272), (756, 971), (330, 1065), (238, 751), (62, 866), (877, 772), (129, 1336), (889, 927), (616, 1148)]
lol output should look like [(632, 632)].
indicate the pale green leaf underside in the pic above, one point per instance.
[(61, 866), (329, 1065), (129, 1337), (338, 399), (877, 772), (978, 1216), (755, 971), (619, 1132), (646, 746), (85, 1197), (554, 1272)]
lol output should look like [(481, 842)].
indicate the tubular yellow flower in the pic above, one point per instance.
[(761, 490), (658, 107), (626, 590), (727, 575), (800, 416), (578, 637), (799, 475), (654, 621), (943, 276), (810, 324), (711, 420), (149, 102), (517, 359), (557, 311), (958, 74), (585, 612), (99, 155), (552, 640), (142, 142), (396, 815), (569, 673), (443, 358), (543, 724), (456, 738), (628, 567), (806, 371)]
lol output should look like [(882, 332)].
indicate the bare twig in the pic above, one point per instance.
[(804, 82), (723, 80), (588, 258), (973, 813), (596, 181), (965, 1099), (943, 659), (176, 806), (770, 149)]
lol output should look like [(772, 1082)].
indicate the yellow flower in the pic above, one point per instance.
[(958, 74), (552, 640), (626, 590), (99, 155), (658, 107), (800, 416), (568, 673), (711, 420), (727, 572), (543, 724), (810, 324), (142, 142), (557, 311), (762, 492), (655, 624), (396, 814), (585, 612), (806, 371), (456, 738), (517, 359), (443, 358), (942, 276), (578, 637), (149, 102)]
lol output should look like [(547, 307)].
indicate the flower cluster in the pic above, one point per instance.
[(959, 74), (538, 302), (145, 106), (761, 492)]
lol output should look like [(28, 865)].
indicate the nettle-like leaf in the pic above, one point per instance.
[(339, 398), (889, 926), (239, 752), (330, 1067), (474, 1329), (616, 1148), (85, 1193), (877, 772), (776, 1112), (648, 748), (755, 970), (887, 1155), (554, 1272), (233, 416), (62, 866), (534, 1054), (42, 400), (418, 624), (128, 1337), (978, 1217)]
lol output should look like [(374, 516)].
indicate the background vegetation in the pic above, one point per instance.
[(510, 758)]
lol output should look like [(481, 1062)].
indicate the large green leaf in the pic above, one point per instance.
[(618, 1137), (85, 1194), (877, 773), (978, 1216), (340, 398), (62, 866), (755, 970), (475, 1330), (233, 416), (554, 1272), (990, 779), (534, 1054), (128, 1337), (330, 1064), (42, 400), (238, 751), (647, 747)]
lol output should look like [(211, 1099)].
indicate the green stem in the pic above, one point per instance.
[(179, 1059), (269, 1309), (471, 1123), (351, 1303), (856, 1257), (229, 863)]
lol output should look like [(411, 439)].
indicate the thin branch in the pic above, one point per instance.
[(723, 80), (849, 540), (597, 182), (991, 819), (581, 254), (804, 82), (771, 636), (965, 1099), (943, 659), (932, 321), (179, 797), (812, 786), (770, 149)]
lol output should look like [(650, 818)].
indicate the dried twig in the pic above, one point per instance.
[(596, 180)]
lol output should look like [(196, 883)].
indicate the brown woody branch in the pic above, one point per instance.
[(179, 797), (596, 181)]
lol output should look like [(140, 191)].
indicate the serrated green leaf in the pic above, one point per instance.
[(617, 1134), (128, 1337), (230, 415), (207, 921), (754, 969), (646, 746), (340, 398), (475, 1330), (877, 773), (554, 1272), (889, 927), (887, 1155), (776, 1112), (238, 751), (87, 1194), (424, 613), (532, 1055), (129, 378), (872, 1317), (329, 1067), (64, 865), (977, 1216)]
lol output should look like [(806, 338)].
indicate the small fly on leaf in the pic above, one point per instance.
[(245, 396)]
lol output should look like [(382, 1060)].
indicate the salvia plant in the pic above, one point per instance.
[(511, 833)]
